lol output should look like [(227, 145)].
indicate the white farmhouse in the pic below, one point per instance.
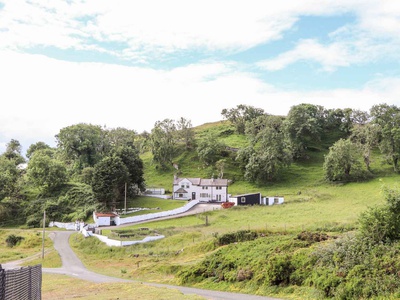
[(204, 190)]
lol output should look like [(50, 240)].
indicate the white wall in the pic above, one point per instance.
[(67, 226), (116, 243), (103, 221), (189, 205)]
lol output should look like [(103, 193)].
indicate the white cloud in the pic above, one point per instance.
[(162, 27), (372, 36), (42, 95), (330, 56)]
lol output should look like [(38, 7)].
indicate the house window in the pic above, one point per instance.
[(180, 195), (243, 199), (204, 195), (187, 186), (205, 187), (219, 188), (276, 200), (183, 186)]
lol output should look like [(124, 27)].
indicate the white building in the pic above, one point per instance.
[(205, 190), (272, 200), (104, 219)]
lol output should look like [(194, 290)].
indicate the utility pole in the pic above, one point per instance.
[(44, 229)]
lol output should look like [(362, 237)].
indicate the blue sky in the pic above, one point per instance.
[(129, 64)]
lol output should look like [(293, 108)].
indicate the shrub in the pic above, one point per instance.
[(235, 237), (279, 268), (312, 237), (12, 240)]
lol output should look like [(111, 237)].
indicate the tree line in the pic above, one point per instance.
[(276, 141), (93, 167)]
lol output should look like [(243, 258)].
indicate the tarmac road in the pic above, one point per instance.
[(72, 266)]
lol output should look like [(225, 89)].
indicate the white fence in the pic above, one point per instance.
[(185, 208), (116, 243), (68, 226)]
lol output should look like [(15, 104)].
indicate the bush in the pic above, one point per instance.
[(279, 269), (12, 240), (235, 237)]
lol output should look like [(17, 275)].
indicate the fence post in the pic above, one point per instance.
[(2, 283), (30, 283)]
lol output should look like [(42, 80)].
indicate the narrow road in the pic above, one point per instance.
[(72, 265)]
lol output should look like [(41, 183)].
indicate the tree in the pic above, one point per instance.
[(267, 154), (110, 175), (366, 137), (163, 142), (210, 149), (240, 115), (220, 166), (342, 163), (387, 117), (120, 136), (37, 146), (9, 176), (13, 152), (303, 126), (46, 172), (134, 164), (185, 132), (82, 144)]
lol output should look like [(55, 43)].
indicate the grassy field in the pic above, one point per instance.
[(153, 204), (59, 287), (29, 249)]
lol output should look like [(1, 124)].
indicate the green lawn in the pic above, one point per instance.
[(152, 203)]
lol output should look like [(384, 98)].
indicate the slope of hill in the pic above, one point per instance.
[(307, 248)]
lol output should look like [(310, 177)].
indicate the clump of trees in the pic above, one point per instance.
[(89, 169), (350, 135)]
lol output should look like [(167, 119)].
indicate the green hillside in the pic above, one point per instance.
[(306, 248)]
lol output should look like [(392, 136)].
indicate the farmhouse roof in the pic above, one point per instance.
[(204, 182)]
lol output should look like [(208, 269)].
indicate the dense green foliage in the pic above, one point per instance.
[(343, 163)]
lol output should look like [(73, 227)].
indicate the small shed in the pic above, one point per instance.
[(246, 199), (104, 219), (272, 200)]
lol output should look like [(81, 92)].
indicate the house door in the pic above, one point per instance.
[(193, 195)]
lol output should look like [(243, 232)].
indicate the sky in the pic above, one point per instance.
[(126, 63)]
